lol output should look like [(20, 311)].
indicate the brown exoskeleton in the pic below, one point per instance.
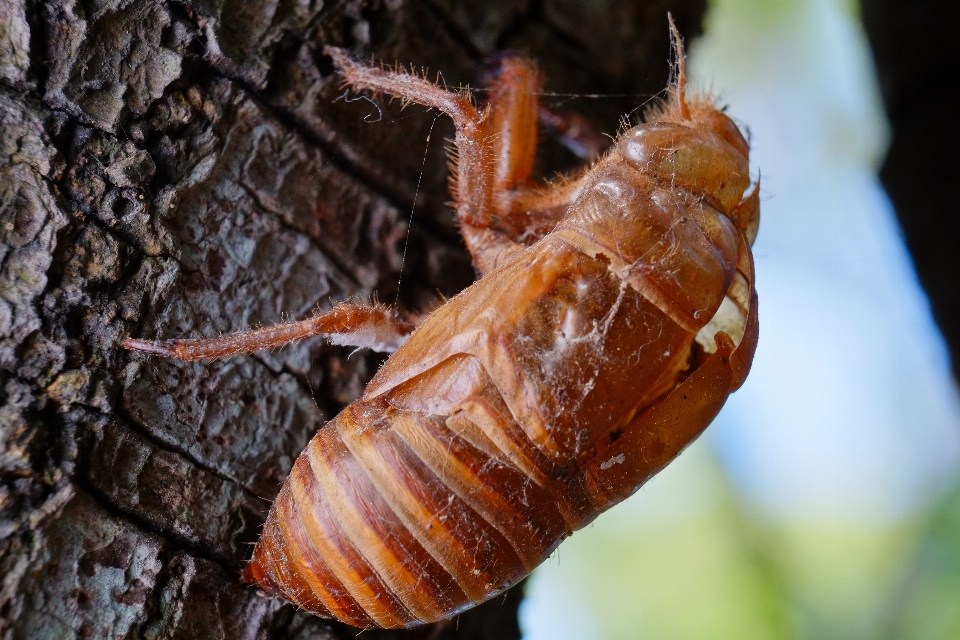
[(582, 361)]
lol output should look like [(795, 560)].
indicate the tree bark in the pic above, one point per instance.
[(189, 168), (918, 60)]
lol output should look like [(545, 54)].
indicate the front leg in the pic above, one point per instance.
[(482, 139)]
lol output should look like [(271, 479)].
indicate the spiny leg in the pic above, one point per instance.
[(365, 326), (476, 168)]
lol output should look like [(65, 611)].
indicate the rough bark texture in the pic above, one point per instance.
[(189, 168), (918, 61)]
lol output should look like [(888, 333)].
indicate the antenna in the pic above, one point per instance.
[(680, 83)]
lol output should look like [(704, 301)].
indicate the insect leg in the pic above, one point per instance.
[(513, 124), (365, 326), (534, 212), (405, 86), (524, 211), (475, 169)]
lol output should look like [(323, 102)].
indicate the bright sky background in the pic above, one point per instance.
[(849, 424), (850, 404)]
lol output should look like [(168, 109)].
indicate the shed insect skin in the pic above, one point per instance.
[(614, 315)]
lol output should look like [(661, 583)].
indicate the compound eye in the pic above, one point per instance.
[(728, 130), (645, 145)]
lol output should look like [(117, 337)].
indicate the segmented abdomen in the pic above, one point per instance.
[(443, 487), (391, 518)]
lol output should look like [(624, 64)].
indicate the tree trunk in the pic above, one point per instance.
[(918, 61), (191, 168)]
